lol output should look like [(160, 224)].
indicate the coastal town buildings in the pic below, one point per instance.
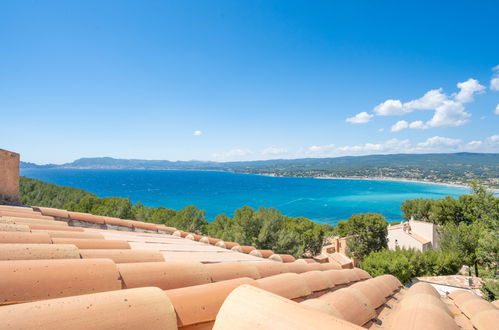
[(413, 234)]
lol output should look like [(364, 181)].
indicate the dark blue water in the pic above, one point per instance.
[(324, 201)]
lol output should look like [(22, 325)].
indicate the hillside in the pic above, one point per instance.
[(454, 167)]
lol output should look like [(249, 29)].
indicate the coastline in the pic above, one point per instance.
[(458, 185)]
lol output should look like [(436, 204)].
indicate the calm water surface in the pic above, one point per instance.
[(325, 201)]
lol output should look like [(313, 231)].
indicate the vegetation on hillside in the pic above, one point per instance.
[(263, 228)]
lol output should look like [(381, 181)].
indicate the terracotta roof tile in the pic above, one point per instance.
[(165, 228), (38, 251), (351, 304), (297, 267), (226, 245), (124, 256), (496, 303), (69, 234), (486, 320), (144, 225), (33, 215), (209, 240), (421, 287), (29, 280), (314, 266), (80, 216), (164, 275), (252, 308), (474, 306), (350, 274), (337, 276), (143, 308), (201, 303), (329, 266), (288, 285), (14, 227), (363, 275), (371, 291), (423, 318), (243, 249), (47, 211), (230, 270), (28, 221), (117, 222), (92, 243), (262, 253), (282, 258), (269, 268), (24, 237), (322, 306), (51, 227), (317, 280)]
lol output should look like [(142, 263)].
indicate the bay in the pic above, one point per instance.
[(323, 201)]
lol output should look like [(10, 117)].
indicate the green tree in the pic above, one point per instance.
[(368, 233), (190, 218)]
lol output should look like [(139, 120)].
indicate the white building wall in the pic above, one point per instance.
[(397, 237)]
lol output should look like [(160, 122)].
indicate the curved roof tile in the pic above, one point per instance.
[(337, 277), (350, 274), (51, 227), (329, 266), (317, 280), (230, 270), (144, 225), (87, 217), (93, 243), (32, 215), (269, 268), (143, 308), (363, 275), (297, 267), (209, 240), (422, 287), (371, 291), (322, 306), (14, 227), (164, 275), (426, 300), (28, 280), (28, 221), (252, 308), (475, 306), (486, 320), (48, 211), (117, 222), (124, 256), (166, 228), (69, 234), (461, 296), (38, 251), (287, 285), (262, 253), (351, 304), (24, 237), (423, 318), (201, 303)]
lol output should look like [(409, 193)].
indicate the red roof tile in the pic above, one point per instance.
[(93, 243), (38, 251), (230, 270), (353, 306), (14, 227), (143, 308), (69, 234), (24, 237), (164, 275), (80, 216), (124, 256), (288, 285), (28, 280), (51, 227)]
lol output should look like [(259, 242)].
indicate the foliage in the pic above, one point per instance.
[(36, 192), (490, 290), (406, 264), (367, 233)]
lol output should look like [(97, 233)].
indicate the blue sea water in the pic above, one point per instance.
[(324, 201)]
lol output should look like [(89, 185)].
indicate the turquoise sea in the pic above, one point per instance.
[(324, 201)]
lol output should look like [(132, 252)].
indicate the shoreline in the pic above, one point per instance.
[(458, 185)]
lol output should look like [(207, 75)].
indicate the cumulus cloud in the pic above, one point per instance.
[(274, 151), (197, 133), (320, 149), (360, 118), (494, 82), (449, 110), (389, 146), (497, 110), (233, 154), (400, 125), (439, 142)]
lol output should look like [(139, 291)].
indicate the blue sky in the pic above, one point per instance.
[(241, 80)]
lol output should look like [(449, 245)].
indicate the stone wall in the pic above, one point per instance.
[(9, 177)]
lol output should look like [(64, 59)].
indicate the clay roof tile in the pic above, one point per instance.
[(262, 253), (230, 270), (117, 222), (38, 251), (322, 306), (93, 243), (28, 221), (24, 237), (124, 256), (371, 291), (422, 287), (29, 280), (142, 308), (317, 280), (475, 306), (252, 308), (87, 217), (164, 275), (362, 273), (486, 320), (48, 211), (288, 285), (351, 304), (336, 276), (13, 227), (52, 227), (269, 268), (329, 266), (243, 249), (201, 303), (69, 234), (297, 267)]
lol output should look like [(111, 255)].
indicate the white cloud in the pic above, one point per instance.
[(468, 89), (438, 141), (389, 146), (474, 144), (418, 124), (274, 151), (429, 101), (494, 82), (497, 110), (400, 125), (197, 133), (381, 129), (449, 114), (390, 108), (360, 118), (320, 149), (494, 140)]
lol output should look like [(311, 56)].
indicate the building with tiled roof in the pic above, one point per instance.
[(413, 234), (70, 270)]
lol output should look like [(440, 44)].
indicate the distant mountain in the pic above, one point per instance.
[(452, 167)]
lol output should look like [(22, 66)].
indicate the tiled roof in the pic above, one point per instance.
[(70, 270)]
